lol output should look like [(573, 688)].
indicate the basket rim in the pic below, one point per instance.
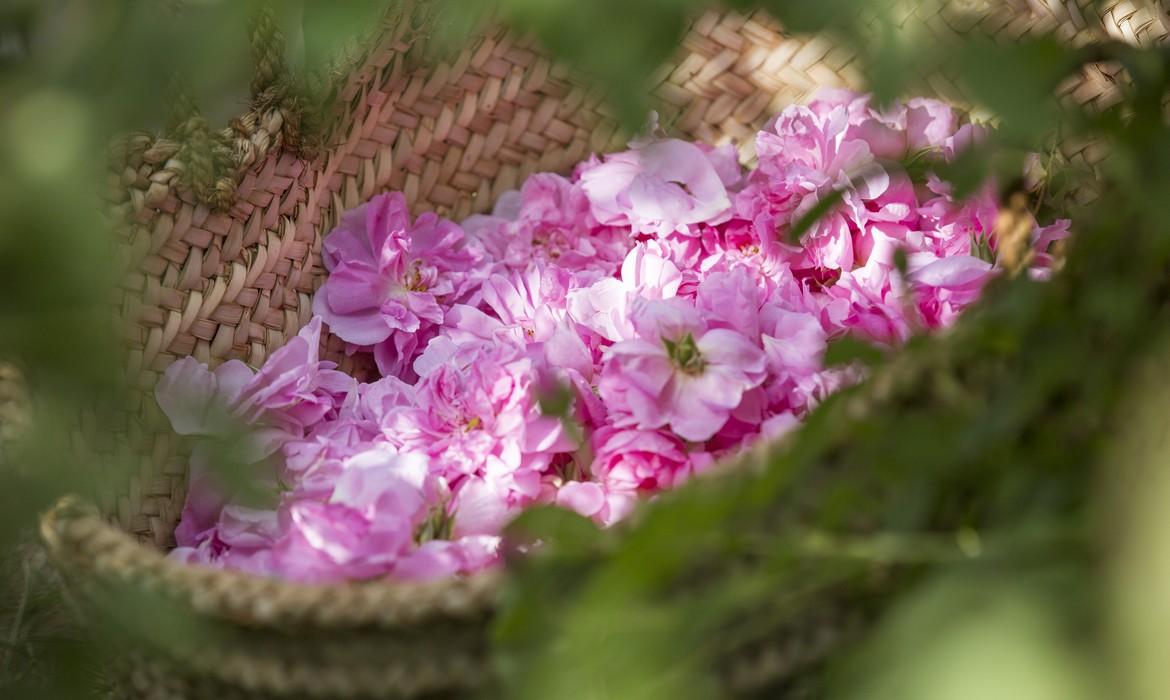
[(80, 538)]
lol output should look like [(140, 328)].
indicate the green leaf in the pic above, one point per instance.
[(1024, 103), (818, 211), (849, 350), (637, 38), (556, 529), (328, 26)]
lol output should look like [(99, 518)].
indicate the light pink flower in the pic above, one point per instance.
[(794, 343), (367, 524), (943, 287), (294, 390), (593, 500), (679, 372), (736, 245), (793, 340), (805, 155), (530, 302), (646, 272), (930, 124), (661, 187), (548, 222), (476, 416), (290, 396), (206, 498), (1042, 238), (730, 300), (870, 302), (803, 150), (437, 559), (948, 227), (904, 127), (198, 401), (641, 460), (483, 506)]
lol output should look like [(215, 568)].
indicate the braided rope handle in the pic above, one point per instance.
[(268, 46), (208, 162), (281, 115)]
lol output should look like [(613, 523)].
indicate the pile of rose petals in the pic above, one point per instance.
[(596, 339)]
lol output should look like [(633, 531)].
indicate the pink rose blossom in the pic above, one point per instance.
[(646, 272), (548, 222), (679, 372), (945, 286), (661, 187), (870, 302), (390, 278), (291, 393)]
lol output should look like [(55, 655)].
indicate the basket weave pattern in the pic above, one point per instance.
[(229, 272)]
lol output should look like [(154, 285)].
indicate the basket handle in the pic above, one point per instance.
[(268, 57), (213, 161)]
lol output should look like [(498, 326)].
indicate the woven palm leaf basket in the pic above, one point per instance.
[(225, 230)]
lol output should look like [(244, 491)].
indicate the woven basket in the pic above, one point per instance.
[(224, 231)]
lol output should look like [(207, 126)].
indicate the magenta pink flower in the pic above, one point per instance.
[(391, 278), (628, 465)]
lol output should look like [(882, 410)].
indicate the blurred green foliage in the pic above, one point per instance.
[(73, 75), (984, 517)]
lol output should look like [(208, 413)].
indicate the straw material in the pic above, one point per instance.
[(222, 244)]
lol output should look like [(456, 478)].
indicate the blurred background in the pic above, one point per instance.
[(985, 518)]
